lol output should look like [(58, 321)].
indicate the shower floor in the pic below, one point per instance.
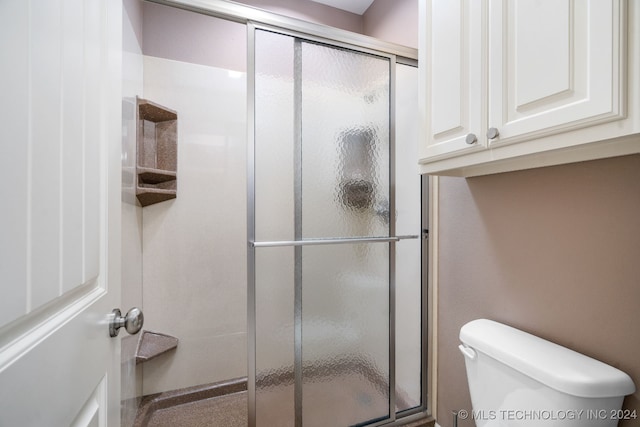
[(223, 411), (222, 404)]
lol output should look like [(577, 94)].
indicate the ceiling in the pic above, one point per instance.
[(354, 6)]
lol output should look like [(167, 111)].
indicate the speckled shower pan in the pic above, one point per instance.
[(221, 404)]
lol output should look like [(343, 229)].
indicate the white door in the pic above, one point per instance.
[(453, 78), (554, 65), (60, 217)]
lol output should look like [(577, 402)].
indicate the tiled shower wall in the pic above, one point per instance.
[(195, 246)]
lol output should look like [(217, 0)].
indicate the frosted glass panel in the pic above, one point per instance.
[(345, 143), (274, 106), (408, 325), (274, 217), (408, 252), (342, 149), (274, 337), (322, 170), (345, 334)]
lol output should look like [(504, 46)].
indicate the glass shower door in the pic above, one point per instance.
[(322, 233), (344, 179)]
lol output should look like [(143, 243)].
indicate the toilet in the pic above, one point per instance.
[(517, 379)]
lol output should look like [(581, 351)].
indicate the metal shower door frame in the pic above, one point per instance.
[(253, 17), (414, 413)]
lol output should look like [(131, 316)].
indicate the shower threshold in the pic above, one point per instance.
[(221, 404)]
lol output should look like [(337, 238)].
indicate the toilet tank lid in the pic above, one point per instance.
[(551, 364)]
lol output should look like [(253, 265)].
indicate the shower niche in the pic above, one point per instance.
[(157, 153)]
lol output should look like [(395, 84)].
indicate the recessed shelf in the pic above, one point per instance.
[(157, 153)]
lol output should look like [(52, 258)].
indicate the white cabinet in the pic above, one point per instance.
[(553, 65), (456, 87), (513, 84)]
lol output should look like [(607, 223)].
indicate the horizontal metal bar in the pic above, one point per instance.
[(316, 242)]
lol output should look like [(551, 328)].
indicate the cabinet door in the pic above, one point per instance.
[(453, 74), (554, 65)]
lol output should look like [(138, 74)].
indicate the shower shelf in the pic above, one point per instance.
[(153, 344), (149, 196), (155, 176), (157, 138)]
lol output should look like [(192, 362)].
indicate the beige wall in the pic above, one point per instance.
[(190, 37), (181, 35), (552, 251), (393, 21), (310, 11)]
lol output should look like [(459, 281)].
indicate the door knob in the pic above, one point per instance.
[(471, 139), (132, 321), (492, 133)]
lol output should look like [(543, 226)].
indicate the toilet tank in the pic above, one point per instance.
[(518, 379)]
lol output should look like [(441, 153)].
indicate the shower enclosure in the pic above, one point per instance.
[(323, 125), (335, 296)]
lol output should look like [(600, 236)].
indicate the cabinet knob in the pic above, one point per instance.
[(471, 139), (492, 133)]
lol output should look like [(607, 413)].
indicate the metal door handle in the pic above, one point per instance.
[(132, 322), (493, 133)]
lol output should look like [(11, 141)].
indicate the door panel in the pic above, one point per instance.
[(14, 153), (345, 334), (59, 132), (93, 412), (60, 244), (454, 75), (44, 161), (274, 337), (408, 253), (551, 69), (553, 65), (344, 153), (322, 170), (274, 220), (344, 177), (330, 179), (54, 373)]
